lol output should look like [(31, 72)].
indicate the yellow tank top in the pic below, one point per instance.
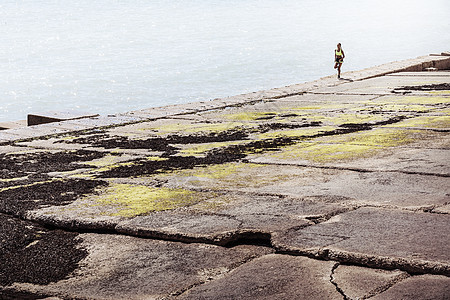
[(338, 53)]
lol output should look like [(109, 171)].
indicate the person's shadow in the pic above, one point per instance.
[(346, 79)]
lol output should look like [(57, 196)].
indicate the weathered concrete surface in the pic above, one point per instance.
[(361, 283), (351, 172), (425, 287), (121, 267), (272, 277), (377, 237)]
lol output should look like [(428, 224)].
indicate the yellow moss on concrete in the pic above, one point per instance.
[(156, 158), (440, 93), (350, 146), (324, 153), (424, 122), (13, 179), (133, 200), (418, 100), (101, 162), (249, 116)]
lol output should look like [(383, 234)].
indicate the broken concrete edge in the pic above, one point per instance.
[(251, 237), (440, 62), (411, 266)]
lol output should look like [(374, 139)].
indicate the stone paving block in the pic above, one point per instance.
[(362, 283), (271, 277), (381, 238), (122, 267), (425, 287)]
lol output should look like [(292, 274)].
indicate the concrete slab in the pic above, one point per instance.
[(132, 268), (350, 187), (382, 85), (106, 121), (426, 287), (382, 149), (272, 277), (381, 238), (44, 130), (56, 116), (441, 73), (362, 283)]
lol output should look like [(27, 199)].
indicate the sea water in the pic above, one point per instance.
[(112, 56)]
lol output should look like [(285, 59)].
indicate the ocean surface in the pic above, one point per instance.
[(111, 56)]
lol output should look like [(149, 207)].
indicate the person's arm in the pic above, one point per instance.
[(343, 55)]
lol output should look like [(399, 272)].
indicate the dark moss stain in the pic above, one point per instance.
[(231, 153), (32, 254), (16, 201), (20, 165), (428, 87), (159, 143)]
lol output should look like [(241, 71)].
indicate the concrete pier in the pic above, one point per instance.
[(332, 189)]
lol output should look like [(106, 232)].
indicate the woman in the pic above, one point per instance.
[(338, 58)]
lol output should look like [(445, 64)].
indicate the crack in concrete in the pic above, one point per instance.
[(359, 170), (386, 286), (338, 289)]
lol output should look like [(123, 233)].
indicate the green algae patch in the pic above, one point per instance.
[(306, 132), (133, 200), (425, 122)]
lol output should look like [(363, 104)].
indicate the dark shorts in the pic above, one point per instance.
[(339, 60)]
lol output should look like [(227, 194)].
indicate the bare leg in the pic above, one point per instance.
[(339, 70)]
